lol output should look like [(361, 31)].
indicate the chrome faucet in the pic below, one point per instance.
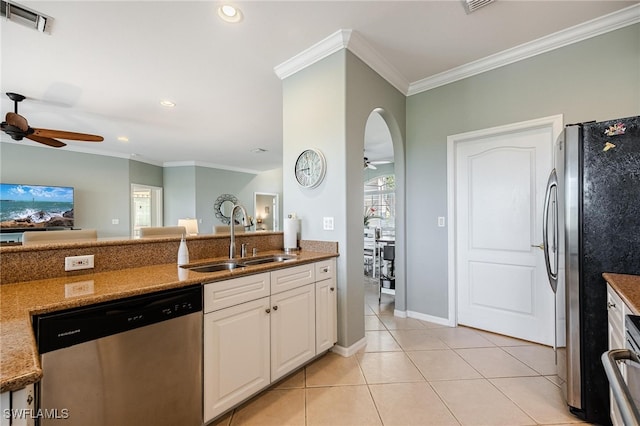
[(232, 230)]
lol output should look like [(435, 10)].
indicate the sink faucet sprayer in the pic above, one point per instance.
[(232, 231)]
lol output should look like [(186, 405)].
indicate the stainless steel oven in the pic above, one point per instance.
[(622, 367)]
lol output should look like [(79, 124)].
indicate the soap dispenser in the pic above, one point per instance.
[(183, 252)]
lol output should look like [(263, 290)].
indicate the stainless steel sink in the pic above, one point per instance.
[(232, 264), (215, 267), (270, 259)]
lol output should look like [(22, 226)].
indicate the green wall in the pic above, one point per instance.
[(596, 79), (326, 106), (103, 184)]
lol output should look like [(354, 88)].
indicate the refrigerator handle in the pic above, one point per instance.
[(552, 184)]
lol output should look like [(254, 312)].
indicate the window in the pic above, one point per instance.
[(380, 204)]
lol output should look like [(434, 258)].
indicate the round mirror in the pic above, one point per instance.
[(223, 207)]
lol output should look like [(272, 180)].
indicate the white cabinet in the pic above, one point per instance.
[(258, 328), (293, 325), (236, 351), (17, 408), (326, 305), (617, 311)]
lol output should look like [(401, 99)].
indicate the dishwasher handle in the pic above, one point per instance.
[(619, 388)]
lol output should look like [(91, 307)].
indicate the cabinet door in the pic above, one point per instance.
[(293, 324), (326, 315), (236, 355)]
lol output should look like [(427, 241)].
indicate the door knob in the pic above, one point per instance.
[(540, 246)]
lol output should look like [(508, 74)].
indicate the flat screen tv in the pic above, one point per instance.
[(35, 207)]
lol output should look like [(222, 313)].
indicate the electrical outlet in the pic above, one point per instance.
[(327, 223), (72, 263)]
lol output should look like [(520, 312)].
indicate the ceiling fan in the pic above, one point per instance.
[(368, 164), (18, 128)]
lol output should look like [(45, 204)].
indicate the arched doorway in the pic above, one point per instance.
[(383, 171)]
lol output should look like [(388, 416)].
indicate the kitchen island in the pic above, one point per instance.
[(19, 358)]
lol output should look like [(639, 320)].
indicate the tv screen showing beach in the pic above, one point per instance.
[(25, 207)]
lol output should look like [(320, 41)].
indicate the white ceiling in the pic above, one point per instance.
[(105, 65)]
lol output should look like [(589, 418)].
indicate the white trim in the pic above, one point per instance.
[(556, 122), (399, 313), (351, 350), (313, 54), (356, 44), (363, 50), (595, 27), (430, 318), (351, 40), (209, 165)]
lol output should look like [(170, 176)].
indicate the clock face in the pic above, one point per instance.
[(310, 168)]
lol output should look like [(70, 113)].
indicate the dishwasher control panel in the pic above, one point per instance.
[(72, 326)]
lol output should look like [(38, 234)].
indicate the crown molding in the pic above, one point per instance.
[(363, 50), (356, 44), (611, 22), (313, 54), (209, 166)]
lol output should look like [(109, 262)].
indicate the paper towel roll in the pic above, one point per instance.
[(291, 229)]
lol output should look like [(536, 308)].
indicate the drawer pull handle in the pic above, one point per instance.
[(611, 305), (331, 288), (267, 310), (325, 269), (275, 308)]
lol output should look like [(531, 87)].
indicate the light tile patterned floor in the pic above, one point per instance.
[(416, 373)]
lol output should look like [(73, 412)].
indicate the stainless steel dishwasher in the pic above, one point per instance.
[(134, 361)]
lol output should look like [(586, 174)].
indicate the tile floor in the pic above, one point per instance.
[(416, 373)]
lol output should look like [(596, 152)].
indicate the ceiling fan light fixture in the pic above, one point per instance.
[(229, 13)]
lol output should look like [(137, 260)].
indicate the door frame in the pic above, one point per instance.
[(555, 122)]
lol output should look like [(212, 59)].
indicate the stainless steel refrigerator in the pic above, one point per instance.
[(591, 226)]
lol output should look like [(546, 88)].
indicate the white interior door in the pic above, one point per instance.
[(501, 280)]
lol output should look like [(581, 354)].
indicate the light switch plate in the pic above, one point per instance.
[(327, 223), (441, 221)]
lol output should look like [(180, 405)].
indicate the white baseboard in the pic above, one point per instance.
[(431, 318), (400, 314), (351, 350)]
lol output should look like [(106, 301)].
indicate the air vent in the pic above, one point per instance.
[(24, 16), (473, 5)]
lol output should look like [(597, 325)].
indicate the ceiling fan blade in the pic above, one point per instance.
[(47, 141), (18, 121), (48, 133)]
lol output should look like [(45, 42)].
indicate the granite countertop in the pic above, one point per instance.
[(627, 287), (19, 358)]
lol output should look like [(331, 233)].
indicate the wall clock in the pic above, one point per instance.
[(310, 168)]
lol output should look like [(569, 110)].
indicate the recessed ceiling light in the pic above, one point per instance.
[(123, 139), (167, 103), (229, 13)]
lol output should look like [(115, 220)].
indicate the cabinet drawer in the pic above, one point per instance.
[(223, 294), (288, 278), (325, 269)]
